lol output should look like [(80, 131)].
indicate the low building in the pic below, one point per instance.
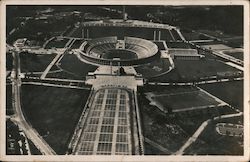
[(184, 54), (19, 43)]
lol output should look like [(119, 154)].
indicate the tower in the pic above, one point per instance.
[(124, 14)]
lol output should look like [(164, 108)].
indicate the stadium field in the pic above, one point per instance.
[(53, 112), (121, 54)]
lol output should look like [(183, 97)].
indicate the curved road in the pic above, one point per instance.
[(197, 133), (19, 118)]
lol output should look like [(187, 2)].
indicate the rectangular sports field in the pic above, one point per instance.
[(183, 99)]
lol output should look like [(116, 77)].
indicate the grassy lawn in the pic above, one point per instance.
[(53, 112), (238, 55), (9, 108), (35, 63), (154, 68), (189, 35), (188, 70), (56, 43), (9, 60), (178, 45), (72, 64), (230, 92), (151, 150), (33, 149), (160, 45), (212, 143), (77, 44), (185, 100), (64, 75)]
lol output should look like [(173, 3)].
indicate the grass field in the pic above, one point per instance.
[(160, 45), (178, 45), (9, 60), (56, 43), (215, 33), (212, 143), (77, 44), (208, 43), (230, 92), (33, 149), (189, 35), (72, 64), (35, 63), (54, 112), (182, 100), (238, 55), (154, 68), (188, 70), (150, 150), (64, 75), (121, 54), (9, 108)]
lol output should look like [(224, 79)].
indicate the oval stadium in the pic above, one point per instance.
[(111, 51)]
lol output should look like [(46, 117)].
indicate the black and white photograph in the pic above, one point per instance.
[(134, 80)]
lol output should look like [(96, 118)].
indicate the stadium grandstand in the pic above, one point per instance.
[(130, 28), (111, 51), (184, 54)]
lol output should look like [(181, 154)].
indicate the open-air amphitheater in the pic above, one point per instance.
[(128, 43)]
